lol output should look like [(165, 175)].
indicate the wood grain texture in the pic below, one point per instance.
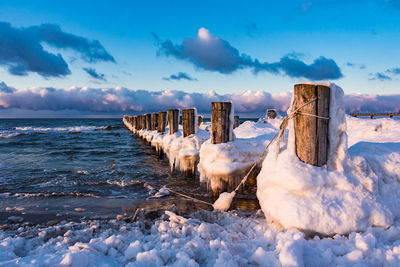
[(154, 121), (311, 133), (220, 123), (135, 122), (188, 120), (173, 116), (148, 122), (142, 122), (235, 121), (199, 120), (162, 121)]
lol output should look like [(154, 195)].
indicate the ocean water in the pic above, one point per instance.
[(90, 167)]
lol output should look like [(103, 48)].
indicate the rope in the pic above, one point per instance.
[(189, 197), (281, 132)]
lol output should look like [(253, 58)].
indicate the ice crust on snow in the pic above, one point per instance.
[(203, 239), (348, 194)]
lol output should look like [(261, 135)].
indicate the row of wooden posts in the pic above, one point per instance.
[(372, 115), (310, 125), (311, 132), (158, 121)]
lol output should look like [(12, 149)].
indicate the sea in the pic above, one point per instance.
[(72, 168)]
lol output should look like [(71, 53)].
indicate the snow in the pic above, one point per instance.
[(349, 194), (375, 130), (224, 165), (342, 214), (201, 239), (224, 201)]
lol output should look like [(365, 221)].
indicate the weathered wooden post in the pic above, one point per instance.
[(143, 118), (235, 121), (311, 133), (221, 128), (189, 126), (271, 113), (173, 115), (135, 123), (199, 120), (154, 122), (143, 122), (162, 121), (148, 122), (180, 120), (371, 116)]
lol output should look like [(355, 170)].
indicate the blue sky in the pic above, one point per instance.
[(364, 33), (255, 45)]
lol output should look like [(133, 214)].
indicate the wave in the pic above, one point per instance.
[(60, 129), (49, 195), (8, 134), (16, 131)]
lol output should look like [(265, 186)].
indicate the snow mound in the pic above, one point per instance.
[(375, 130), (345, 195), (222, 166)]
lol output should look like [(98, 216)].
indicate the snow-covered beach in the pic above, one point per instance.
[(215, 238)]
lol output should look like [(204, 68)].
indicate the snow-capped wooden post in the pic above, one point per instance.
[(188, 121), (271, 113), (311, 133), (199, 120), (148, 122), (235, 121), (154, 122), (162, 121), (220, 122), (173, 115)]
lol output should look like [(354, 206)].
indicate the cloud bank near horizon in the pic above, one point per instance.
[(123, 100), (208, 52)]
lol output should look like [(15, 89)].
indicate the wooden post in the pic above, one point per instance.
[(371, 116), (148, 122), (162, 121), (199, 120), (180, 120), (311, 133), (135, 122), (173, 115), (271, 113), (220, 122), (188, 122), (143, 119), (154, 122), (235, 121)]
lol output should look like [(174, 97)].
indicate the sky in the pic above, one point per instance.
[(55, 56)]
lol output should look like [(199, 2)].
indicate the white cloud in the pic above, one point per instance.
[(123, 100)]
